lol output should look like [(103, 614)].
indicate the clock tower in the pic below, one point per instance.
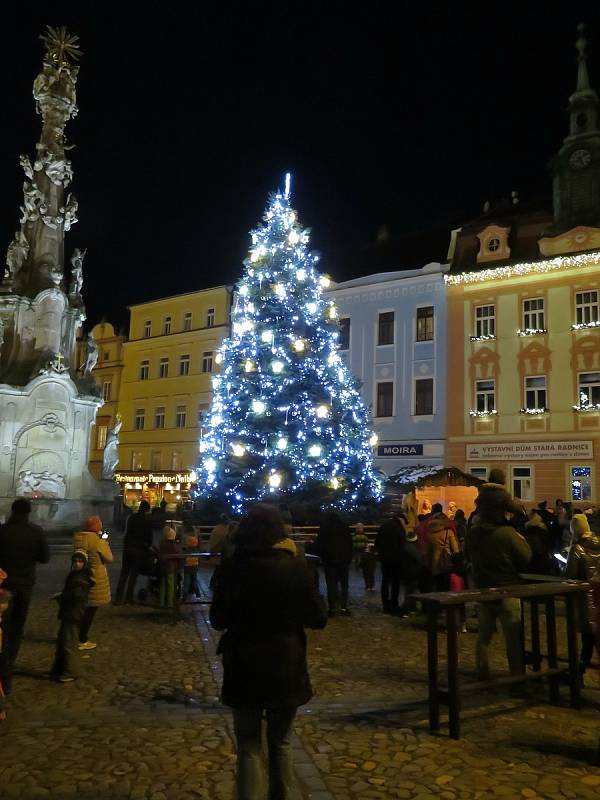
[(576, 167)]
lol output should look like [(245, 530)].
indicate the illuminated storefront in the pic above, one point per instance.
[(172, 486)]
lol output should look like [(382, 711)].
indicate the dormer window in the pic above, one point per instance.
[(493, 244)]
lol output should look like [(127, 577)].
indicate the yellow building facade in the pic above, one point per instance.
[(107, 374), (524, 375), (166, 386)]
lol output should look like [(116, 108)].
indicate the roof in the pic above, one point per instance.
[(386, 277), (177, 296), (419, 476)]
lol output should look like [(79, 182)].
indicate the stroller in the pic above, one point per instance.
[(148, 566)]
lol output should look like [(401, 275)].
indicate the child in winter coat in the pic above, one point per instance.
[(190, 564), (168, 568), (72, 603)]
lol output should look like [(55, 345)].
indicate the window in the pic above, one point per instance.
[(101, 437), (425, 324), (155, 459), (385, 399), (581, 483), (385, 334), (207, 361), (202, 409), (180, 415), (479, 472), (166, 326), (184, 365), (144, 370), (177, 460), (535, 392), (105, 355), (493, 244), (147, 329), (187, 321), (522, 482), (106, 390), (533, 314), (586, 307), (159, 417), (344, 337), (210, 318), (589, 388), (163, 368), (485, 396), (136, 460), (139, 418), (485, 321), (423, 397)]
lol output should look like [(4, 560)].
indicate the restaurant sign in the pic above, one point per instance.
[(154, 477), (528, 451)]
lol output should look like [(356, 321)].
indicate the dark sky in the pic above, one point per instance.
[(406, 114)]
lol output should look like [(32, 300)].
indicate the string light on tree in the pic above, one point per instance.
[(286, 415)]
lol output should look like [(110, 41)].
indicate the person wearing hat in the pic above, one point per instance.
[(72, 603), (94, 542), (169, 566)]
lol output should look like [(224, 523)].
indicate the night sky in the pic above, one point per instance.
[(396, 114)]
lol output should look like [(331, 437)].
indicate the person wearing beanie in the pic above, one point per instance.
[(493, 501), (72, 603), (137, 542), (22, 545), (93, 541), (169, 567), (583, 563)]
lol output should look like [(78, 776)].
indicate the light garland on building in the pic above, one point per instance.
[(531, 331), (487, 337), (585, 405), (534, 411), (473, 413), (526, 268), (582, 326), (286, 414)]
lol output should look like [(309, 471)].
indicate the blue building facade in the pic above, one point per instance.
[(393, 339)]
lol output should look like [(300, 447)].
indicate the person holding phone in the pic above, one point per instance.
[(94, 541)]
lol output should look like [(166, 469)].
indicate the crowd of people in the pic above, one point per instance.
[(266, 591)]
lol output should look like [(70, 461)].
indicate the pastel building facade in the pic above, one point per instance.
[(393, 339)]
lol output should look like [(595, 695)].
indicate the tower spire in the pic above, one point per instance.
[(583, 79)]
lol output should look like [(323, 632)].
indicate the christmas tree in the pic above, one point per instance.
[(286, 417)]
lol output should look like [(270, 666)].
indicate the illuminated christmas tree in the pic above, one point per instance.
[(286, 418)]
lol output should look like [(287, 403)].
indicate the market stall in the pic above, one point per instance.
[(434, 484)]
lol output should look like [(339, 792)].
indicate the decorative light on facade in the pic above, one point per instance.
[(525, 268), (581, 326), (482, 413), (534, 411), (486, 337), (531, 331)]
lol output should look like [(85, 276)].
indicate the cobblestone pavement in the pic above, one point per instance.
[(144, 722)]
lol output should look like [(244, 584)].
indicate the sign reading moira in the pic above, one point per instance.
[(528, 451), (154, 477), (400, 450)]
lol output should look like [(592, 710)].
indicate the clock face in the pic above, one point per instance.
[(580, 159)]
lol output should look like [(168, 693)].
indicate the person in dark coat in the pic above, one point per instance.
[(494, 501), (72, 602), (263, 599), (137, 543), (537, 537), (335, 548), (22, 546), (411, 564), (388, 546)]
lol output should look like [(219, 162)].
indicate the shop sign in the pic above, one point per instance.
[(400, 450), (528, 451), (153, 477)]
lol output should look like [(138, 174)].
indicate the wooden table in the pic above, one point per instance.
[(534, 593)]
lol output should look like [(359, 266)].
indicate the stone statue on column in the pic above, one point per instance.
[(110, 457)]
